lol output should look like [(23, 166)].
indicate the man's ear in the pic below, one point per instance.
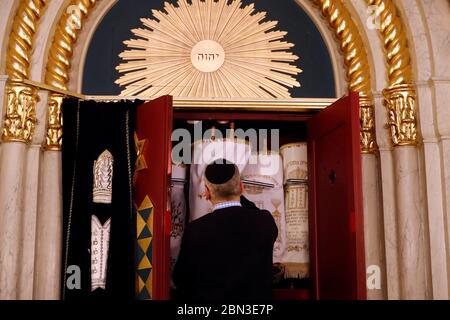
[(207, 193), (241, 185)]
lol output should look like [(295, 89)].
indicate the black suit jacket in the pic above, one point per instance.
[(227, 255)]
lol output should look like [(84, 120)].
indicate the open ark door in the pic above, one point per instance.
[(335, 202), (151, 198)]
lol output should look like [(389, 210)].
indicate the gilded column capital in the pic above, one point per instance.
[(367, 122), (400, 101), (53, 138), (20, 114), (20, 111)]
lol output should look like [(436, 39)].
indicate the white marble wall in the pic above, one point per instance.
[(428, 23), (436, 13)]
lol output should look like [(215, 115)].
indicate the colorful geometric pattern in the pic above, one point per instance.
[(144, 226)]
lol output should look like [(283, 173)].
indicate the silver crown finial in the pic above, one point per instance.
[(103, 174)]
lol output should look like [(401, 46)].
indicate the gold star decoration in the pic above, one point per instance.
[(208, 48), (141, 164)]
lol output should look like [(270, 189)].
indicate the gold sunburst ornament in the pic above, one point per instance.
[(208, 48)]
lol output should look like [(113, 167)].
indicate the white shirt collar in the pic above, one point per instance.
[(227, 204)]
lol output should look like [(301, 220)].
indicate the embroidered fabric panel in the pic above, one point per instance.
[(99, 252)]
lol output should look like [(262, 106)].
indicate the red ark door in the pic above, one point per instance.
[(153, 135), (335, 202)]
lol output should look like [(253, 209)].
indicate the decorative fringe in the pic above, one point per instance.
[(296, 270)]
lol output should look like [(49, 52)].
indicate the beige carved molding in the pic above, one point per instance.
[(356, 63), (20, 116), (400, 74), (59, 64)]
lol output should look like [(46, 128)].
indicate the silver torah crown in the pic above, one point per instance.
[(103, 174)]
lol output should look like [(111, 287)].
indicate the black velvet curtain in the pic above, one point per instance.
[(90, 127)]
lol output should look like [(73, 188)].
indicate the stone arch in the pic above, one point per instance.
[(346, 31)]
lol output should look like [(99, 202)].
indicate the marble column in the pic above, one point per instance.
[(19, 124), (3, 80), (446, 165), (433, 182), (388, 202), (47, 264), (30, 197), (373, 228), (441, 90), (28, 227), (411, 225), (49, 229), (12, 167)]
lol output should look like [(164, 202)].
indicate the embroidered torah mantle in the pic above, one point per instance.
[(98, 157), (205, 152), (268, 169)]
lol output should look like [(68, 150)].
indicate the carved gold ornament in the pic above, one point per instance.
[(401, 103), (59, 64), (400, 97), (357, 66), (139, 145), (395, 41), (208, 48), (392, 31), (368, 143), (103, 175), (53, 138), (20, 117), (66, 35), (21, 39)]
